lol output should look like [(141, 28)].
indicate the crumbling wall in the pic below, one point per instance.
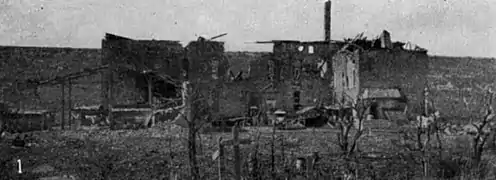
[(207, 66), (238, 95), (402, 69), (304, 68), (346, 77), (131, 58), (117, 53), (206, 60)]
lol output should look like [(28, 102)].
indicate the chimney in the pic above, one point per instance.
[(327, 21)]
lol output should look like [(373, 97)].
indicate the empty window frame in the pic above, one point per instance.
[(301, 48), (355, 79), (310, 50), (343, 80)]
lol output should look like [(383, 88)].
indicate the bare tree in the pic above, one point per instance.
[(349, 121), (483, 129), (196, 115)]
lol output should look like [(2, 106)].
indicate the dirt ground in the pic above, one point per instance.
[(160, 152)]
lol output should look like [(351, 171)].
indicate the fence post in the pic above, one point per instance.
[(237, 156), (221, 158), (70, 104), (62, 116), (426, 102), (150, 101), (43, 122)]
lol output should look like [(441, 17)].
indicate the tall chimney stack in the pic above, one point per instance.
[(327, 21)]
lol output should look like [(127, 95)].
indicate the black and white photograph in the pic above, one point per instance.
[(247, 90)]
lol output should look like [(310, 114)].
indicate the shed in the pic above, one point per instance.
[(385, 103)]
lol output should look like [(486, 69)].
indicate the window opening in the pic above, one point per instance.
[(310, 49), (301, 48), (344, 82), (354, 78), (347, 82)]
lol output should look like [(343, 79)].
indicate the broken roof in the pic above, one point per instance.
[(297, 42), (113, 37), (382, 93)]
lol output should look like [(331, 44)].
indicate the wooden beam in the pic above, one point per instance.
[(34, 83)]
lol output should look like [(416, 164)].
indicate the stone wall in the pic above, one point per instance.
[(130, 58), (300, 67), (346, 79)]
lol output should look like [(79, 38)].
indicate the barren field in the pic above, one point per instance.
[(160, 152)]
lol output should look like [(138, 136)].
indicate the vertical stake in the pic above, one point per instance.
[(62, 116), (221, 158), (237, 155), (70, 103)]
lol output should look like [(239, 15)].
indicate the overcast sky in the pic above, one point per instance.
[(451, 27)]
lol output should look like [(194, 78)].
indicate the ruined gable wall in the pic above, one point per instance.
[(236, 96), (396, 68), (120, 52), (345, 80), (302, 57), (163, 56)]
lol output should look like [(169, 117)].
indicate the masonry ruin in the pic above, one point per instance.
[(294, 76)]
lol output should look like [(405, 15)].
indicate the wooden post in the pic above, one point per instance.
[(221, 158), (216, 113), (150, 99), (62, 116), (272, 150), (426, 102), (43, 119), (237, 155), (283, 153), (309, 166), (70, 104), (150, 91), (110, 95)]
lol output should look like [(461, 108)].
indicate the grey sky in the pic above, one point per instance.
[(452, 27)]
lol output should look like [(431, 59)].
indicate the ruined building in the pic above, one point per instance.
[(140, 71), (334, 73), (294, 75)]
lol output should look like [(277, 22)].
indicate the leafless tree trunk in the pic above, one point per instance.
[(483, 129), (345, 121), (191, 120)]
